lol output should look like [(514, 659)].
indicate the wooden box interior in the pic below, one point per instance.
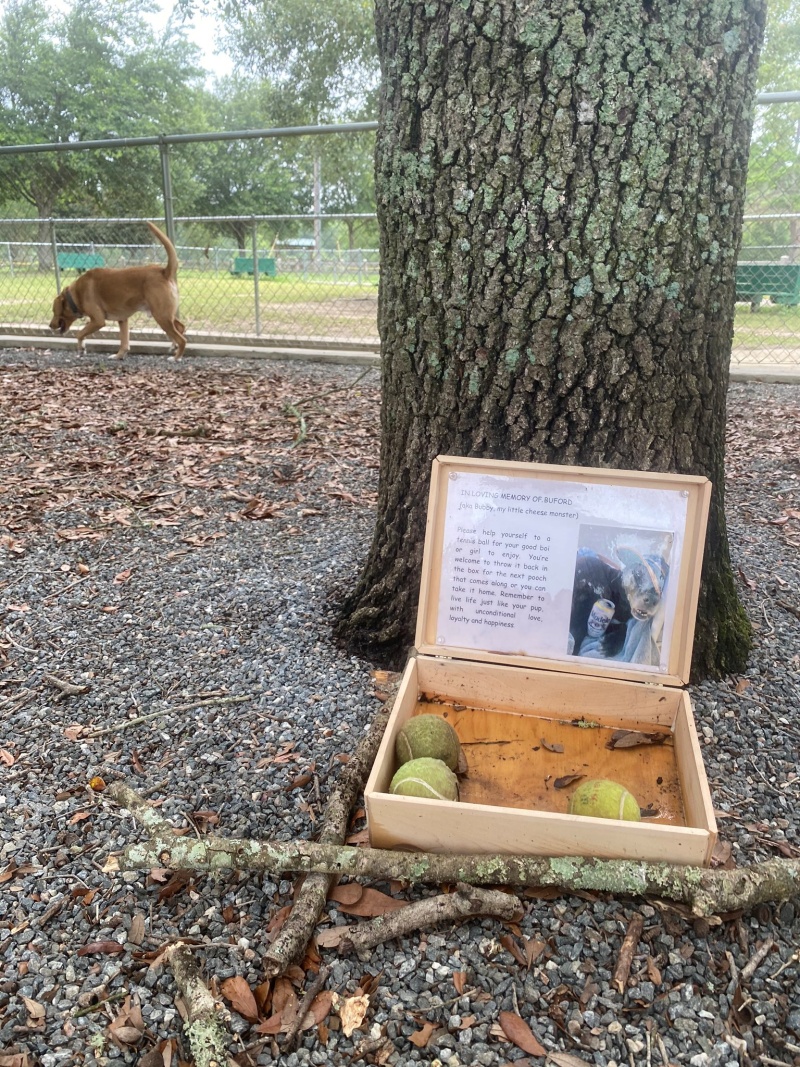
[(509, 721)]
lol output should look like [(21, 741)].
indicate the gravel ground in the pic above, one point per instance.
[(167, 543)]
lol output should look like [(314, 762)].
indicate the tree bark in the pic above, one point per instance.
[(560, 193)]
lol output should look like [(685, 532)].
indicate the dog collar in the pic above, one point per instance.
[(72, 305)]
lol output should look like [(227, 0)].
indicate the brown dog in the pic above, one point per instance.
[(116, 293)]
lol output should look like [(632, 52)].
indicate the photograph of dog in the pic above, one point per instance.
[(113, 294)]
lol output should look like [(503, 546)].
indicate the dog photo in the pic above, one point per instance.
[(618, 596)]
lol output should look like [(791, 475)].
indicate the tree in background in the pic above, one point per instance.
[(322, 58), (560, 195), (773, 181), (97, 71), (246, 177), (322, 55)]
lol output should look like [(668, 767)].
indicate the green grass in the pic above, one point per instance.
[(290, 305), (297, 307)]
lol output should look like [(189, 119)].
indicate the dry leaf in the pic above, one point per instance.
[(567, 779), (460, 981), (566, 1059), (742, 684), (272, 1025), (136, 932), (320, 1009), (6, 757), (554, 746), (333, 936), (240, 997), (653, 973), (8, 873), (101, 948), (508, 943), (36, 1011), (178, 881), (634, 738), (347, 893), (517, 1030), (352, 1012), (372, 903), (420, 1038)]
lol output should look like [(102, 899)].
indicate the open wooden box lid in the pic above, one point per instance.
[(514, 550)]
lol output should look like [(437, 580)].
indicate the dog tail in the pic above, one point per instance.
[(171, 269)]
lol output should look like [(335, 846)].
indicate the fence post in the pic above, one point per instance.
[(166, 185), (255, 278), (54, 246)]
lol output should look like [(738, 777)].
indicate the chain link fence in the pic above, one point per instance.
[(262, 263)]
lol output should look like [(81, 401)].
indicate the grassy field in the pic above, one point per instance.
[(297, 307), (289, 305)]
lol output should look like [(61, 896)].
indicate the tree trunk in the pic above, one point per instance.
[(560, 193)]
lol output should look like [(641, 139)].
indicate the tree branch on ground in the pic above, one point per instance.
[(706, 892)]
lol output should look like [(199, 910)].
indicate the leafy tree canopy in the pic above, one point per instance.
[(96, 71), (322, 55)]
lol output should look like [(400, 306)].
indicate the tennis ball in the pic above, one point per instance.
[(425, 777), (428, 735), (604, 799)]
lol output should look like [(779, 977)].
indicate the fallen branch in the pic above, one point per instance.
[(467, 901), (707, 892), (303, 1008), (205, 1033), (68, 689), (626, 952), (118, 727), (309, 904)]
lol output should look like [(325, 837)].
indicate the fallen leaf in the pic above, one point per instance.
[(333, 936), (460, 981), (566, 1059), (742, 684), (517, 1030), (372, 903), (101, 948), (352, 1012), (320, 1009), (272, 1025), (420, 1038), (634, 738), (508, 943), (136, 932), (240, 997), (346, 893), (6, 757), (36, 1011), (178, 882), (567, 779), (554, 746)]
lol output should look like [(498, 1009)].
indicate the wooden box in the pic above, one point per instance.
[(512, 551)]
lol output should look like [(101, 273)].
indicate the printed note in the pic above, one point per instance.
[(514, 550)]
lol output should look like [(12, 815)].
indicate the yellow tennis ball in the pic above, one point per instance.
[(425, 777), (428, 735), (603, 799)]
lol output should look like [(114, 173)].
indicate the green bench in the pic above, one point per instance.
[(79, 261), (244, 265), (780, 281)]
